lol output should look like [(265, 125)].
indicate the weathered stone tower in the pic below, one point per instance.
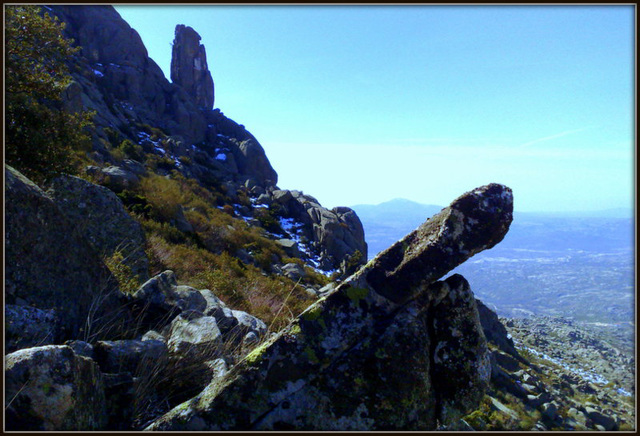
[(189, 67)]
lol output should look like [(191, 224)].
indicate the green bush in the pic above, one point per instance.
[(135, 203), (268, 220), (42, 139), (131, 150), (127, 280)]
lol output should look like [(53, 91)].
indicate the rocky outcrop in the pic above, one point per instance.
[(116, 78), (342, 363), (50, 388), (461, 360), (52, 266), (336, 235), (244, 161), (116, 75), (104, 220), (495, 331), (27, 327), (160, 300), (189, 67)]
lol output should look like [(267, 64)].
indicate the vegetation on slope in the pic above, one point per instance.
[(41, 138)]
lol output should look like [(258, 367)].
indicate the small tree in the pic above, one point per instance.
[(41, 139)]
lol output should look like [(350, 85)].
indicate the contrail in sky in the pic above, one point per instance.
[(557, 135)]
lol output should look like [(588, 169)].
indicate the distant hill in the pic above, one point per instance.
[(388, 222), (577, 264)]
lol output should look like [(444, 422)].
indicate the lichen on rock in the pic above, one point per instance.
[(362, 357)]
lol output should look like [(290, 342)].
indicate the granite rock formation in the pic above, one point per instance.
[(51, 388), (390, 345), (335, 235), (116, 78), (53, 267), (104, 220), (189, 67), (312, 374)]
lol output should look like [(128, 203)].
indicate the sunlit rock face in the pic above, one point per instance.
[(389, 348), (189, 67)]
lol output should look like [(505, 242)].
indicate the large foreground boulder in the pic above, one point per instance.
[(104, 220), (364, 357), (50, 388), (50, 265)]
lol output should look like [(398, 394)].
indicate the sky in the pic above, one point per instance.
[(363, 104)]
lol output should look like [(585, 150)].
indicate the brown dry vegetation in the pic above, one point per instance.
[(206, 258)]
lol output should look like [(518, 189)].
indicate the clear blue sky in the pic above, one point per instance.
[(362, 104)]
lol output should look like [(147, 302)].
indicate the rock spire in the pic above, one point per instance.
[(189, 67)]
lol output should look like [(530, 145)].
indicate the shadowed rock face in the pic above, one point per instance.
[(390, 348), (53, 267), (189, 66), (104, 220)]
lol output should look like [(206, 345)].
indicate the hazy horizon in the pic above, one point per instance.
[(613, 212), (358, 104)]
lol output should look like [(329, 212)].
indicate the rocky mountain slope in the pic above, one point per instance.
[(174, 286)]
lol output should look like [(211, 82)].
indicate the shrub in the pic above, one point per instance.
[(268, 220), (41, 138), (127, 280), (131, 150), (228, 209), (135, 203), (353, 262), (185, 160)]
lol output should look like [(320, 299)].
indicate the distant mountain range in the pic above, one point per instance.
[(577, 264)]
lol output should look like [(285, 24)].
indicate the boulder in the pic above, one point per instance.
[(290, 247), (577, 419), (118, 179), (194, 343), (495, 332), (475, 221), (234, 325), (81, 348), (550, 411), (189, 67), (159, 300), (249, 324), (133, 356), (293, 271), (198, 336), (253, 162), (50, 388), (462, 366), (51, 265), (361, 358), (537, 400), (599, 418), (104, 220), (281, 196), (27, 327)]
